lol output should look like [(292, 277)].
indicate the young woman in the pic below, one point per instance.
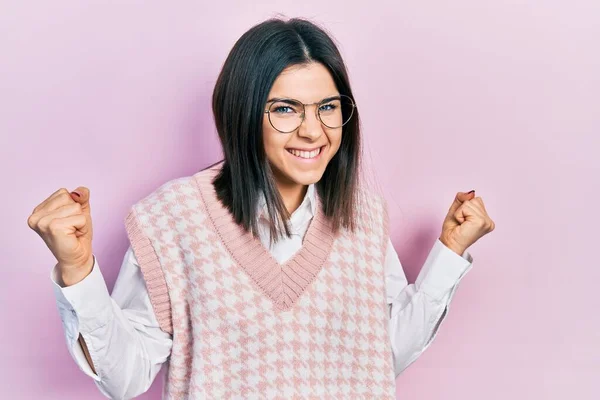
[(270, 274)]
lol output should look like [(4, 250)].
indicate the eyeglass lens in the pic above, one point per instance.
[(286, 115)]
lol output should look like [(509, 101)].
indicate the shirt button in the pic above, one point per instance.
[(74, 313)]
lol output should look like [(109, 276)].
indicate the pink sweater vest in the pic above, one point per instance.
[(245, 326)]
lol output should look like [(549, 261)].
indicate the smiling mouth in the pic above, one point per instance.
[(306, 154)]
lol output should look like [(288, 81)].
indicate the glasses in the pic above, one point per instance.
[(286, 115)]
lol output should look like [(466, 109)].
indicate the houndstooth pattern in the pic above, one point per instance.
[(229, 339)]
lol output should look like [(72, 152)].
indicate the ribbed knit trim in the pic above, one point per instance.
[(282, 283), (151, 271)]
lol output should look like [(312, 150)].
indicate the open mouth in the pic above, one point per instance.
[(306, 154)]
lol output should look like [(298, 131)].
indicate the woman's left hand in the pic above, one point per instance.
[(466, 222)]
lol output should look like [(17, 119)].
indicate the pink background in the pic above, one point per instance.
[(498, 96)]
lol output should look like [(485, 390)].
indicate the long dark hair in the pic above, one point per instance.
[(238, 102)]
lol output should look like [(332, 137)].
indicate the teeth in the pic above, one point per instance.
[(305, 154)]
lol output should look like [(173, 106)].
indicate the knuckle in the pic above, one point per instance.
[(42, 224), (42, 229), (65, 196), (38, 207), (31, 221)]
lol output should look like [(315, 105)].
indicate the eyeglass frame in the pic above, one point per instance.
[(318, 115)]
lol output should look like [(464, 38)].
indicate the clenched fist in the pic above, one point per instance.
[(64, 222), (467, 221)]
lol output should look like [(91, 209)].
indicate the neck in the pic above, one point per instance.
[(292, 194)]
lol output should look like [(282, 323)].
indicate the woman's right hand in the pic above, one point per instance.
[(64, 222)]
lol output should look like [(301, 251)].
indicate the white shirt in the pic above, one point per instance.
[(128, 348)]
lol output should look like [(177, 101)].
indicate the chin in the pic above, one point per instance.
[(303, 177), (307, 178), (300, 177)]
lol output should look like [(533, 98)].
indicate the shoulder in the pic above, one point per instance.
[(370, 201), (371, 211), (167, 192), (178, 189)]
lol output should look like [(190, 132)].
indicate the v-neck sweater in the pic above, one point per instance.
[(246, 326)]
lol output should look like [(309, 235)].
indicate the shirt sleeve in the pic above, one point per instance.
[(121, 331), (417, 310)]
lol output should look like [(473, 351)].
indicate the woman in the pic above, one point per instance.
[(270, 274)]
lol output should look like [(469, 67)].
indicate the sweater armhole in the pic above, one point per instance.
[(151, 271)]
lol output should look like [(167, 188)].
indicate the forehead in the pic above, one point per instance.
[(307, 83)]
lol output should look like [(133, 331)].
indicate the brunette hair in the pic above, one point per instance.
[(238, 103)]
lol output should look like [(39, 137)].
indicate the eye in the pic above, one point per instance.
[(328, 107), (283, 109), (286, 108)]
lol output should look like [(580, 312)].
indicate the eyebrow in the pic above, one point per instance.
[(289, 100)]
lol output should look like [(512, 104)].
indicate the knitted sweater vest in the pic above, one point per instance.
[(245, 326)]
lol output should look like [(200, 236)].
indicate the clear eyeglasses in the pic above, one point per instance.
[(286, 115)]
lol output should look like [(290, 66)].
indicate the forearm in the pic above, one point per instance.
[(414, 321), (70, 278), (418, 310), (124, 359), (122, 355)]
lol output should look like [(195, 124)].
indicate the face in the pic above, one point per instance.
[(300, 157)]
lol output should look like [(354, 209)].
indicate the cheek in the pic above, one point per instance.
[(335, 140), (274, 142)]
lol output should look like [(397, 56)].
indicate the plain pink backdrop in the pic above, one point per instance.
[(498, 96)]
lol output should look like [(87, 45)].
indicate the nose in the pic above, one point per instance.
[(311, 128)]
